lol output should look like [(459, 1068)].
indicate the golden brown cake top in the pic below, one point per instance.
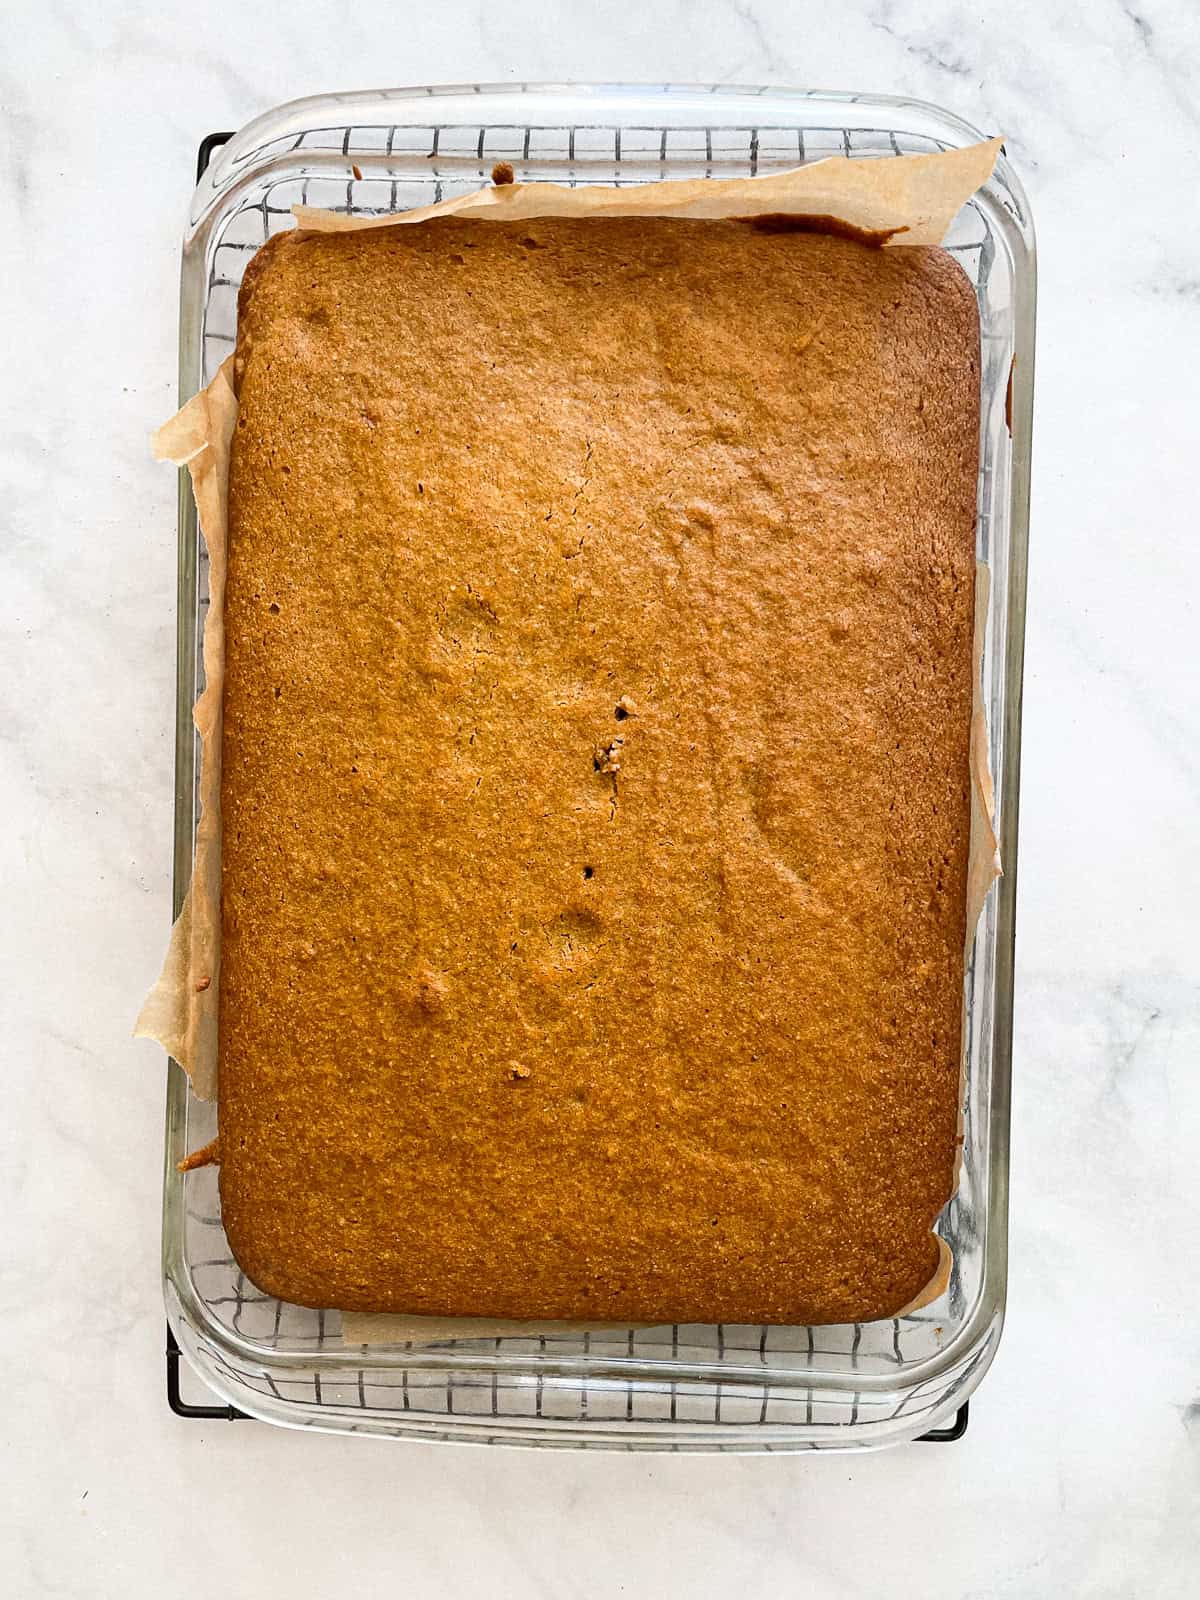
[(595, 783)]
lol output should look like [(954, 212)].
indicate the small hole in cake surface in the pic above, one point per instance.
[(273, 608), (589, 872)]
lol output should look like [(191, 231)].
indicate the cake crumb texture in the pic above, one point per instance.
[(595, 769)]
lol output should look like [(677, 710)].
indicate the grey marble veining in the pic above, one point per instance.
[(1081, 1471)]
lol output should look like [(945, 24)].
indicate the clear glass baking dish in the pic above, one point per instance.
[(714, 1388)]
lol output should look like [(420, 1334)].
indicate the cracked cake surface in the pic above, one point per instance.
[(595, 786)]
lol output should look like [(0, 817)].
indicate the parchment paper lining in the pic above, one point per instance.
[(910, 200), (181, 1009)]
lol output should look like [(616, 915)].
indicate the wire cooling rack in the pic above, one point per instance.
[(205, 1411), (460, 161)]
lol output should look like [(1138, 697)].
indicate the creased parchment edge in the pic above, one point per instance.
[(181, 1009), (909, 200)]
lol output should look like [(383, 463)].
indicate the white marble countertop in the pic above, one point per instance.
[(1080, 1473)]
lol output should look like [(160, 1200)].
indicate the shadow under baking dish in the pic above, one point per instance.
[(726, 1388)]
